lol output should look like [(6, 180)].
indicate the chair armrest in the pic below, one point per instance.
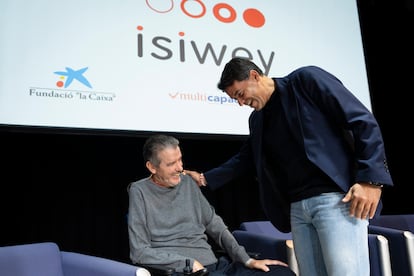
[(221, 252), (269, 247), (158, 270), (31, 259), (77, 264), (401, 246)]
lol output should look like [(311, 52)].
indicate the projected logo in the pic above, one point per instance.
[(68, 76), (223, 12), (163, 47), (176, 47)]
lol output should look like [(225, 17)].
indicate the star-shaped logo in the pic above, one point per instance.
[(74, 75)]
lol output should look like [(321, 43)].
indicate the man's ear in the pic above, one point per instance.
[(254, 74), (151, 167)]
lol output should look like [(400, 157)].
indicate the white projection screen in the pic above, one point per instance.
[(153, 65)]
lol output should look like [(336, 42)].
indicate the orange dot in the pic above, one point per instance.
[(181, 33), (140, 28), (254, 18), (59, 83), (232, 13), (201, 14)]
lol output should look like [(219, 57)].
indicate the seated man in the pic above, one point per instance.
[(169, 220)]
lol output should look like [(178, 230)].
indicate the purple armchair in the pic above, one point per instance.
[(46, 259)]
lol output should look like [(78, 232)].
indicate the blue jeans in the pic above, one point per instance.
[(327, 240)]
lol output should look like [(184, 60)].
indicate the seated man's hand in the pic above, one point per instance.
[(197, 266), (263, 264)]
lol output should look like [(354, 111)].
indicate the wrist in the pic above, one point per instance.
[(376, 184), (248, 262)]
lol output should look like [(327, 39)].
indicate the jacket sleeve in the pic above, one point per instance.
[(236, 166), (341, 108)]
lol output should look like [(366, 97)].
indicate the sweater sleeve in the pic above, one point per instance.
[(218, 231), (236, 252)]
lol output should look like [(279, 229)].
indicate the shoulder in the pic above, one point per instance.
[(188, 182), (311, 74), (308, 70), (138, 185), (190, 186)]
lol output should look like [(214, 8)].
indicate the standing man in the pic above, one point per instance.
[(319, 158), (169, 220)]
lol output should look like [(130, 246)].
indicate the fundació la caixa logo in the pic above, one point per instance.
[(223, 12), (66, 77)]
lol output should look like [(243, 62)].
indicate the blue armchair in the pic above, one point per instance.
[(401, 246), (263, 237), (46, 259), (379, 255), (279, 244), (399, 221)]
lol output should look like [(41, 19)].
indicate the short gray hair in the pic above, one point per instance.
[(155, 144)]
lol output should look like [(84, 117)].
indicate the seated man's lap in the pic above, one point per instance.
[(225, 267)]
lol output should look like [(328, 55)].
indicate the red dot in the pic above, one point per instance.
[(140, 28), (230, 10), (59, 83), (254, 18)]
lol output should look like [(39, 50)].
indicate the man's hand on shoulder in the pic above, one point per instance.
[(198, 177)]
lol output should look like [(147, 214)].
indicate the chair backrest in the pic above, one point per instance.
[(78, 264), (268, 247), (401, 247), (379, 255), (278, 241), (400, 221), (46, 259), (31, 259), (264, 227)]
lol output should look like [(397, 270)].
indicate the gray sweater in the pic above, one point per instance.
[(169, 225)]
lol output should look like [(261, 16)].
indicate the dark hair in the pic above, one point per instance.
[(154, 144), (237, 69)]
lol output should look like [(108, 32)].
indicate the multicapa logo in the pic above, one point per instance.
[(223, 12)]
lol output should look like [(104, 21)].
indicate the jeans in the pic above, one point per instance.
[(327, 240)]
